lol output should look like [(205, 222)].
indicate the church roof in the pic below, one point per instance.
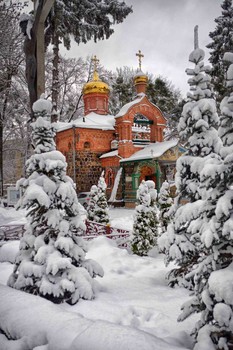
[(110, 154), (154, 150), (90, 121), (127, 106)]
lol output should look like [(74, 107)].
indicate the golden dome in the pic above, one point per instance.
[(96, 85), (140, 77)]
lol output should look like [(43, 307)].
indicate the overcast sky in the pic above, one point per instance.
[(163, 31)]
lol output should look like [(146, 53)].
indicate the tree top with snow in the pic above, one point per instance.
[(42, 105), (198, 54)]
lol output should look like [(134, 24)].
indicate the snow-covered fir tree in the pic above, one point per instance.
[(213, 274), (145, 225), (98, 210), (198, 126), (51, 260), (92, 203), (222, 41), (165, 202)]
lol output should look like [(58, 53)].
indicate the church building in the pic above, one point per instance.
[(129, 146)]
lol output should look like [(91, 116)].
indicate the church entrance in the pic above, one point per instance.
[(147, 173)]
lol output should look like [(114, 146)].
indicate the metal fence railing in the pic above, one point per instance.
[(93, 230)]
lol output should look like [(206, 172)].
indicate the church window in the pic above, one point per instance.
[(109, 178), (87, 145), (141, 129)]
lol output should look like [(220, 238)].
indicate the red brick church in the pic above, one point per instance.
[(128, 146)]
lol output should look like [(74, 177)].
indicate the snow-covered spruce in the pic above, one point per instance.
[(92, 203), (51, 261), (181, 242), (165, 202), (221, 42), (213, 275), (98, 206), (145, 226)]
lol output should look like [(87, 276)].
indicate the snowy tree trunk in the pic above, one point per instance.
[(55, 72)]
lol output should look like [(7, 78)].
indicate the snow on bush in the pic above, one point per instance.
[(165, 202), (9, 251), (145, 227), (98, 210)]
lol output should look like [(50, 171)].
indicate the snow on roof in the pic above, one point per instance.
[(154, 150), (127, 106), (139, 73), (110, 154), (90, 121)]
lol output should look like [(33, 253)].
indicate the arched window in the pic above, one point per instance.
[(87, 145), (109, 178), (141, 129)]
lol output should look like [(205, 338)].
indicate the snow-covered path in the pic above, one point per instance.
[(133, 293)]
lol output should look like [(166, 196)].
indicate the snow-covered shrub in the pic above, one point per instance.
[(98, 206), (165, 202), (51, 260), (145, 226)]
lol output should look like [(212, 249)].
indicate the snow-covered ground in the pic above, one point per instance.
[(133, 309)]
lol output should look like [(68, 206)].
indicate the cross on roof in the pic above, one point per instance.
[(95, 61), (140, 55)]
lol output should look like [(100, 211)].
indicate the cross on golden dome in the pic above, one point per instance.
[(95, 85), (140, 55), (95, 61)]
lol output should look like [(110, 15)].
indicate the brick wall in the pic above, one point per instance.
[(88, 169)]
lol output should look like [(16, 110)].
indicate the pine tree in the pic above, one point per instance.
[(165, 202), (98, 207), (164, 95), (197, 125), (51, 260), (145, 226), (122, 89), (213, 274), (222, 41)]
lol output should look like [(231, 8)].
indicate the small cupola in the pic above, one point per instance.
[(96, 94), (140, 79)]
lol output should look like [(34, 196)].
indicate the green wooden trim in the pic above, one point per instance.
[(143, 161), (135, 181), (144, 122), (158, 175)]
